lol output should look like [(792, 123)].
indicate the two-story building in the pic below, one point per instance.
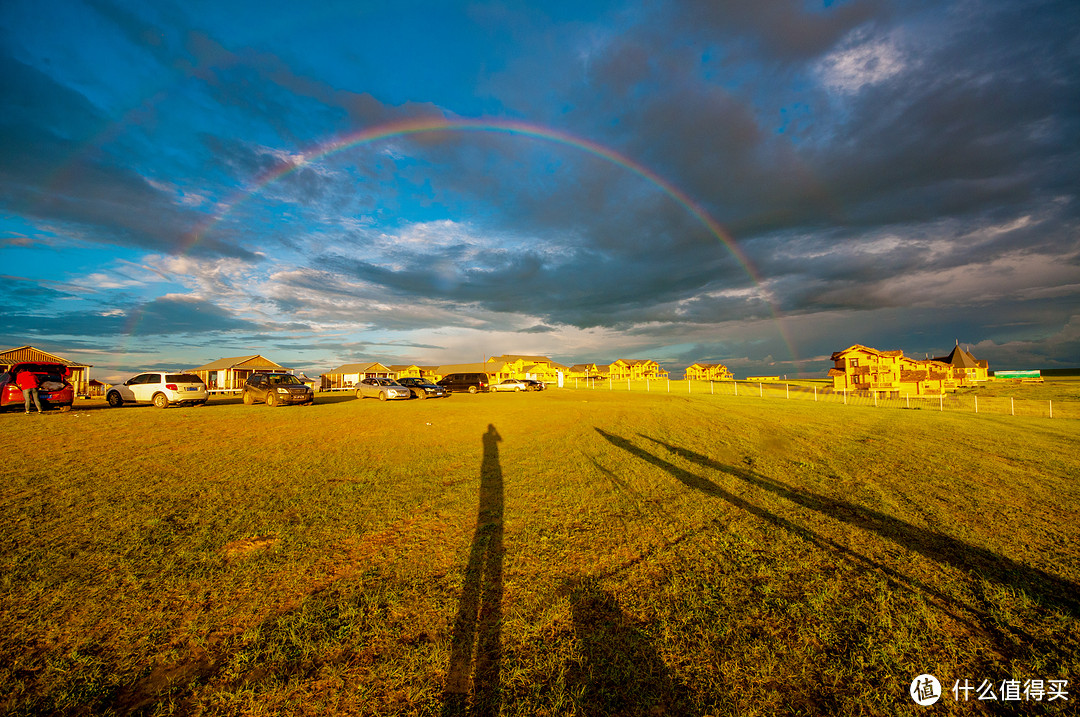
[(708, 372), (864, 369), (635, 370), (540, 368)]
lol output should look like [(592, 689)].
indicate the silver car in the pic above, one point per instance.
[(510, 384), (382, 389), (161, 389)]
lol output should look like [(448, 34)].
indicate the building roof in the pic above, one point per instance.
[(488, 367), (255, 361), (363, 367), (959, 358), (510, 358), (27, 354)]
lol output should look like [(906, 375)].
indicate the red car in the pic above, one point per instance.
[(54, 391)]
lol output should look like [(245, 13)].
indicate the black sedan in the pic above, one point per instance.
[(422, 388)]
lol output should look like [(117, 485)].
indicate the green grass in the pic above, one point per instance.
[(609, 552)]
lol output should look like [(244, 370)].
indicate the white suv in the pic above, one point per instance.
[(160, 389)]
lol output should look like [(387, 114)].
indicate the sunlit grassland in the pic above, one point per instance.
[(636, 553)]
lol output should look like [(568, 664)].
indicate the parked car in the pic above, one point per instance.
[(533, 384), (382, 389), (161, 389), (510, 384), (54, 391), (422, 388), (471, 382), (277, 389)]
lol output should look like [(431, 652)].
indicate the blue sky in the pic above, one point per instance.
[(898, 174)]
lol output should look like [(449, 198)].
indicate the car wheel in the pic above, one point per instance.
[(359, 393), (472, 389), (65, 409), (161, 400), (421, 394), (382, 395), (200, 403), (271, 399), (248, 399), (114, 400), (519, 390)]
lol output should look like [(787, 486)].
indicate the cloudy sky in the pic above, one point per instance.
[(754, 183)]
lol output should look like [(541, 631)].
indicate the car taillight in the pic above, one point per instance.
[(171, 386)]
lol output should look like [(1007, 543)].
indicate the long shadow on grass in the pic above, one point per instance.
[(1047, 589), (479, 615), (1011, 639), (616, 670)]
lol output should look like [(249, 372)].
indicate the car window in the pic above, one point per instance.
[(182, 378)]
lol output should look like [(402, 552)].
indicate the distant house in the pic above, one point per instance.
[(230, 374), (635, 370), (80, 372), (400, 370), (584, 370), (406, 370), (496, 370), (708, 372), (350, 374), (925, 377), (890, 373), (966, 369), (540, 368), (96, 388), (861, 368)]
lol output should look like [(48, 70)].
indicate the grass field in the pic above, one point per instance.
[(569, 552)]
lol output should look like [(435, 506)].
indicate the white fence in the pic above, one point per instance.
[(968, 402)]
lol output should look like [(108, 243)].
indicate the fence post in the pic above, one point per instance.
[(976, 404), (1051, 408), (907, 398), (736, 388), (815, 393), (787, 391), (875, 399), (941, 402), (760, 391), (1012, 405), (712, 387), (845, 396), (575, 383)]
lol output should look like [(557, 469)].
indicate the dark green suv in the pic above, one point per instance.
[(277, 389)]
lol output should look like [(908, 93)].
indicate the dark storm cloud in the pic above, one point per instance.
[(47, 171), (782, 29), (159, 317)]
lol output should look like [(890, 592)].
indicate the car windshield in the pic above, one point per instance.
[(385, 382), (278, 379)]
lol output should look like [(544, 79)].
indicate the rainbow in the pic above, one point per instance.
[(427, 125)]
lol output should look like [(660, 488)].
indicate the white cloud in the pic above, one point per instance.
[(859, 64)]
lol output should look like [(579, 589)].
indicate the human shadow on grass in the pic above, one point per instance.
[(1049, 590), (1010, 639), (616, 669), (479, 617)]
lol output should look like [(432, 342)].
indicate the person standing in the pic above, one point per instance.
[(28, 382)]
